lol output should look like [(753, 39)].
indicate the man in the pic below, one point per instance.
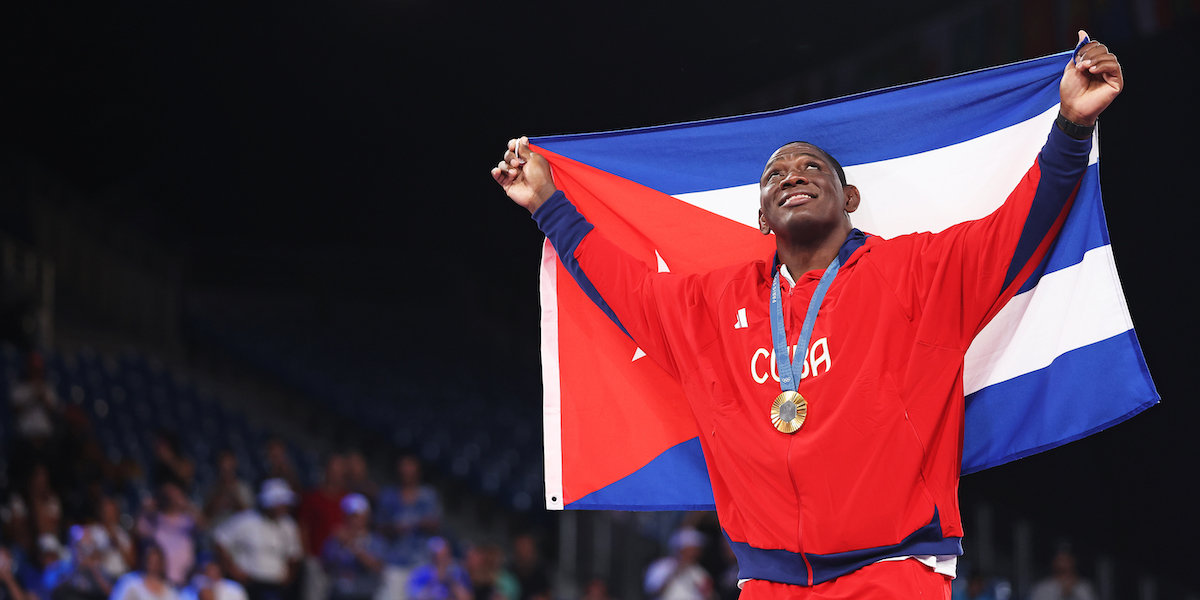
[(229, 494), (409, 514), (79, 577), (680, 576), (261, 548), (352, 556), (846, 485), (319, 514), (1064, 582), (442, 578), (531, 573), (320, 510)]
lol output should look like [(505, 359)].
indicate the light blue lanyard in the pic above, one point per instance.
[(789, 378)]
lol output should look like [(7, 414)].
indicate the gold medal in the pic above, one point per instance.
[(789, 411)]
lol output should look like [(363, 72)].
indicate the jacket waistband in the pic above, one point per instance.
[(795, 568)]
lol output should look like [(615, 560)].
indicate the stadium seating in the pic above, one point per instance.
[(499, 455), (128, 399)]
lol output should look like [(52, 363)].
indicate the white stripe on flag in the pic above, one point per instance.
[(1069, 309), (929, 191), (552, 392)]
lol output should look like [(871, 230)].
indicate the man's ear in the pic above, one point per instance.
[(852, 198), (762, 223)]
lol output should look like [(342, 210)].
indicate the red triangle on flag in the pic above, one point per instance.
[(617, 415)]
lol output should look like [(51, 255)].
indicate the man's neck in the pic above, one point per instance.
[(808, 255)]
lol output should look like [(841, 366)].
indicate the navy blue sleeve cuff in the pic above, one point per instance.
[(1065, 154), (562, 223)]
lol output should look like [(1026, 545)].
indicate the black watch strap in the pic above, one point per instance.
[(1073, 129)]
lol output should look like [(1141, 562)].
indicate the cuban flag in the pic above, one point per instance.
[(1058, 362)]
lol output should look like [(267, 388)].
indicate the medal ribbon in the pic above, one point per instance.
[(789, 377)]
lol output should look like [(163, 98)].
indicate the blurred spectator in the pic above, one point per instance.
[(44, 506), (9, 588), (229, 494), (171, 523), (441, 578), (711, 558), (170, 465), (489, 579), (358, 477), (79, 472), (49, 551), (507, 583), (1064, 582), (80, 576), (531, 574), (130, 484), (209, 583), (113, 544), (92, 472), (409, 514), (679, 576), (976, 589), (149, 583), (34, 404), (279, 463), (727, 581), (597, 589), (14, 516), (352, 555), (321, 508), (320, 513), (260, 548)]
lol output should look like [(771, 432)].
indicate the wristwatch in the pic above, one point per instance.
[(1073, 129)]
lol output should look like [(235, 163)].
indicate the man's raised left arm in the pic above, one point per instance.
[(986, 260)]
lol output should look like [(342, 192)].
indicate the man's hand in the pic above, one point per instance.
[(1090, 83), (524, 175)]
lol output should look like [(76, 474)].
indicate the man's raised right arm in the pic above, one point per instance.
[(625, 288)]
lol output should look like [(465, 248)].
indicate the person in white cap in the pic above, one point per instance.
[(679, 576), (260, 548), (351, 556)]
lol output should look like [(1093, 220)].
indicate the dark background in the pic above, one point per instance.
[(340, 149)]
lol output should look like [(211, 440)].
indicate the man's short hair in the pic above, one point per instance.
[(837, 166)]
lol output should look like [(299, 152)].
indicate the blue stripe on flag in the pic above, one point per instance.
[(858, 129), (1013, 419), (677, 479), (1085, 229)]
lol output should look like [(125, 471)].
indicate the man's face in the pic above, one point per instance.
[(800, 193)]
